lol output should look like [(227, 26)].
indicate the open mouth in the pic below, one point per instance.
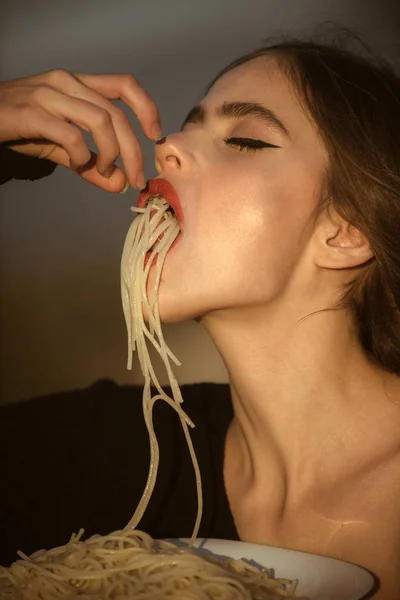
[(162, 188), (170, 211)]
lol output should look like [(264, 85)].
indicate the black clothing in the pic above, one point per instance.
[(80, 459), (14, 165)]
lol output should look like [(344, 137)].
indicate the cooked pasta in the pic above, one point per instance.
[(128, 565), (151, 234)]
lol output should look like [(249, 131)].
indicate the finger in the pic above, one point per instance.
[(112, 135), (38, 123), (125, 87), (130, 150), (116, 183), (126, 144), (129, 147), (88, 116)]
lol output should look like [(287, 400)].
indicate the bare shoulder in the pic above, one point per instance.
[(359, 519), (372, 538), (375, 545), (366, 506)]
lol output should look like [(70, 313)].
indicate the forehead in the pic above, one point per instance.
[(262, 80), (263, 69)]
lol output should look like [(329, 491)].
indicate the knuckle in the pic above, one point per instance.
[(39, 92), (73, 137), (100, 118), (119, 117), (129, 81), (57, 76), (133, 87)]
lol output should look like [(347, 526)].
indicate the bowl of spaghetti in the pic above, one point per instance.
[(130, 565)]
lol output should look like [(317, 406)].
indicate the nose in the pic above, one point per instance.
[(173, 154)]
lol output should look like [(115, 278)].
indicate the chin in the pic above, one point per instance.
[(181, 298), (170, 310), (175, 314)]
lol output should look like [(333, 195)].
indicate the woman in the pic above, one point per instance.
[(288, 177)]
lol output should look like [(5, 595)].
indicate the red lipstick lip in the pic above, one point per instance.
[(165, 189)]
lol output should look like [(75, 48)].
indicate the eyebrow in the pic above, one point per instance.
[(238, 110)]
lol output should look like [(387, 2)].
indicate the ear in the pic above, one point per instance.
[(339, 245)]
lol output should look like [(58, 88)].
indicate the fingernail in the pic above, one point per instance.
[(125, 188), (146, 187), (108, 172), (161, 140), (156, 132), (140, 180)]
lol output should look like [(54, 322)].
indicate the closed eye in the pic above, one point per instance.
[(248, 144)]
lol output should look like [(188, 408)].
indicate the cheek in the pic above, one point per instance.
[(252, 225), (246, 208)]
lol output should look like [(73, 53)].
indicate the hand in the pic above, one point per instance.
[(43, 116)]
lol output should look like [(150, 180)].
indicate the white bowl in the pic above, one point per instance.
[(320, 577)]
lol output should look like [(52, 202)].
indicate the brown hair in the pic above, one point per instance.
[(355, 103)]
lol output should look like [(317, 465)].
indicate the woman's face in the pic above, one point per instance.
[(246, 211)]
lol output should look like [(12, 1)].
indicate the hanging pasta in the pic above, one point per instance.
[(150, 237)]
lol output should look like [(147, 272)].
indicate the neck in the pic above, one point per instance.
[(303, 391)]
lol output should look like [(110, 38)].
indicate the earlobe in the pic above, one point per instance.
[(339, 244)]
